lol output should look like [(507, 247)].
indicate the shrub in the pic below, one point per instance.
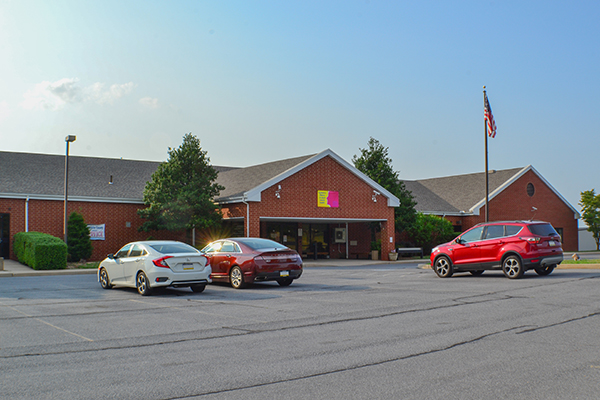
[(431, 230), (78, 238), (40, 250)]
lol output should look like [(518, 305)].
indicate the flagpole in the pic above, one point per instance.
[(487, 186)]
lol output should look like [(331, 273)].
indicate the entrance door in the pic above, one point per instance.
[(315, 241), (5, 235), (284, 233)]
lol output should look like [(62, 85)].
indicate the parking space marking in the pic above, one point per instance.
[(49, 324)]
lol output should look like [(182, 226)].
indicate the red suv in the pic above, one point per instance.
[(514, 247)]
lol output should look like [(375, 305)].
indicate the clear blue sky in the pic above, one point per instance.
[(259, 81)]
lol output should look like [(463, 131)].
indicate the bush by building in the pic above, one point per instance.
[(40, 250)]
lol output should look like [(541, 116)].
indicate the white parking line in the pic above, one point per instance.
[(49, 324)]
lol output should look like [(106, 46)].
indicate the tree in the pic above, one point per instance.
[(590, 203), (79, 245), (181, 192), (375, 163), (431, 230)]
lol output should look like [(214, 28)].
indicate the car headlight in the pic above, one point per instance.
[(435, 249)]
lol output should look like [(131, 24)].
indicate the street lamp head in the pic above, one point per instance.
[(70, 138)]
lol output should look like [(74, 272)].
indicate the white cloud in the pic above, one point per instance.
[(54, 95), (4, 111), (149, 102), (97, 93)]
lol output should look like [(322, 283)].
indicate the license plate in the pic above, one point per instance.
[(284, 273), (551, 243), (188, 266)]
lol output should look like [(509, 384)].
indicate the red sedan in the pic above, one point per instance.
[(243, 261)]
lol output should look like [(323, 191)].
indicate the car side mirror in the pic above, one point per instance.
[(111, 256), (460, 241)]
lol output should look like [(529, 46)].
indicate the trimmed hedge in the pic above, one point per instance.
[(40, 250)]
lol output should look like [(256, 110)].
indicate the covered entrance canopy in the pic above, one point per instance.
[(323, 237)]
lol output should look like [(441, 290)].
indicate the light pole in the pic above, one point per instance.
[(68, 139)]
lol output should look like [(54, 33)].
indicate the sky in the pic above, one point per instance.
[(259, 81)]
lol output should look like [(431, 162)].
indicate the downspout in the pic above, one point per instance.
[(347, 236), (247, 215), (27, 214)]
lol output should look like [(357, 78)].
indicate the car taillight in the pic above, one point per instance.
[(160, 262), (260, 258), (533, 240)]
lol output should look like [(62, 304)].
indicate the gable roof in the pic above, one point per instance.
[(465, 194), (41, 176), (246, 184)]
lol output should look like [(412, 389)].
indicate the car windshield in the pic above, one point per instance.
[(260, 244), (173, 248), (543, 230)]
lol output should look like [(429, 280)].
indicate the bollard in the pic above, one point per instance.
[(1, 263)]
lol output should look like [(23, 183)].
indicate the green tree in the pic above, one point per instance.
[(430, 230), (181, 193), (79, 245), (377, 165), (590, 203)]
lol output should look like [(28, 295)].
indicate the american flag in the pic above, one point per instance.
[(488, 117)]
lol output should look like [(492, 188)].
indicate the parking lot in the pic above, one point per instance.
[(388, 331)]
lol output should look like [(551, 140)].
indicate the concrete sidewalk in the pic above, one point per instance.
[(15, 268)]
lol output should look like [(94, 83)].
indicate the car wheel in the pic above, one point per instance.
[(479, 272), (512, 267), (285, 282), (198, 288), (236, 278), (142, 284), (104, 279), (547, 270), (443, 267)]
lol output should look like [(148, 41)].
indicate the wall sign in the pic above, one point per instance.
[(329, 199), (97, 232)]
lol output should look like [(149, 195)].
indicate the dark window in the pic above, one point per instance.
[(513, 229), (530, 189), (172, 248), (260, 244), (494, 231), (542, 230)]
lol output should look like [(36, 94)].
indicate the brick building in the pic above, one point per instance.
[(318, 204), (514, 194)]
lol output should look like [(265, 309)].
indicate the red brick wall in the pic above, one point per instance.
[(47, 216), (298, 199), (515, 204)]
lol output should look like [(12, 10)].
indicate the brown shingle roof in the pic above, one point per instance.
[(456, 193)]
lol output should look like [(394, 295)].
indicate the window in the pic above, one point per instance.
[(542, 230), (530, 189), (123, 252), (512, 230), (473, 235), (494, 231), (172, 248), (228, 247), (137, 251)]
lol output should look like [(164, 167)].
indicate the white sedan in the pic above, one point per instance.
[(151, 264)]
